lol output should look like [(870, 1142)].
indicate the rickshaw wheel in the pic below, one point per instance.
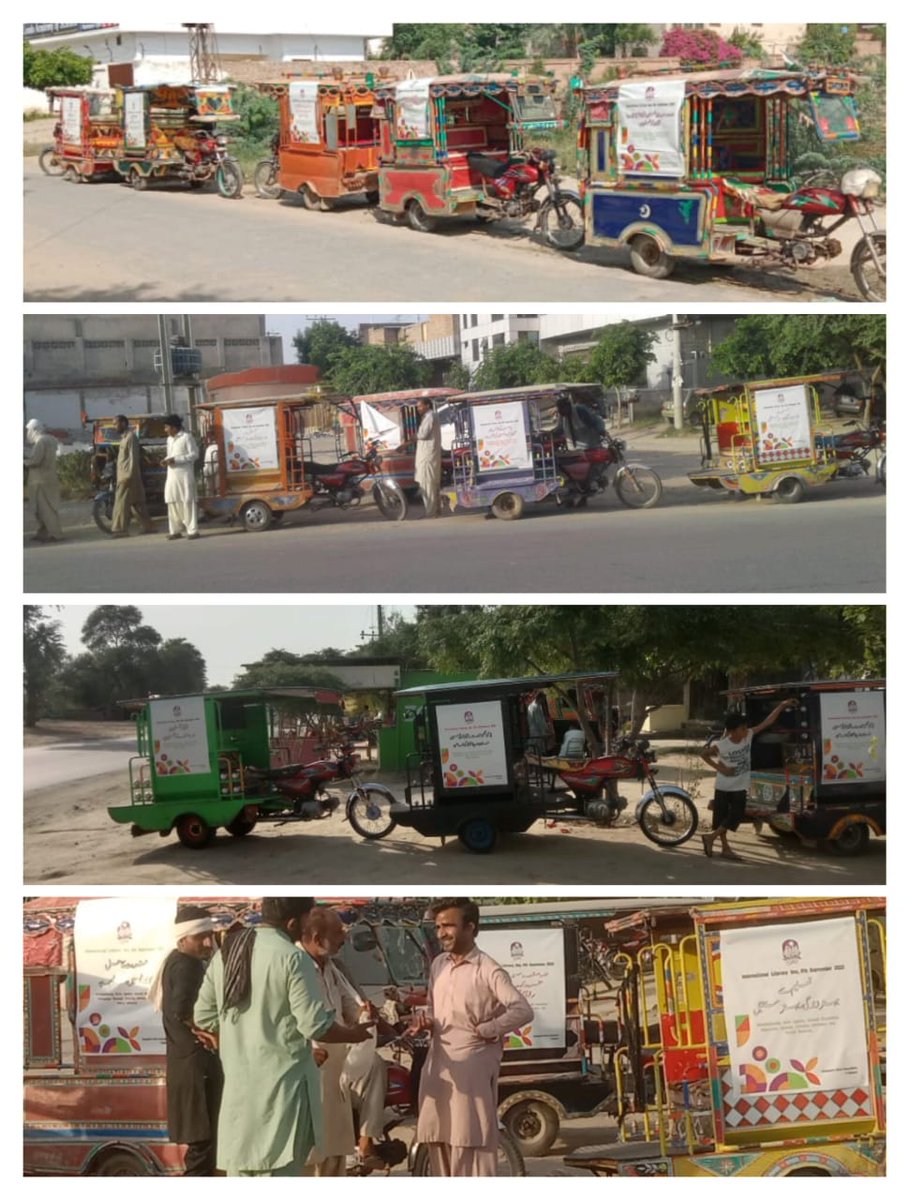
[(649, 259), (312, 200), (478, 835), (417, 218), (852, 841), (372, 197), (193, 832), (48, 161), (240, 827), (256, 516), (122, 1163), (534, 1125), (137, 180), (508, 506), (789, 490), (70, 175)]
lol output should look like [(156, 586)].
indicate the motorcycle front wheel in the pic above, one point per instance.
[(103, 513), (230, 180), (639, 487), (668, 821), (49, 162), (369, 812), (562, 221), (265, 179), (871, 282), (390, 500), (510, 1160)]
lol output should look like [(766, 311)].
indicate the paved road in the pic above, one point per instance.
[(62, 762), (833, 542), (102, 241)]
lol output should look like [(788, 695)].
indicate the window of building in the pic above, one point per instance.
[(475, 350), (498, 317), (498, 339), (473, 319)]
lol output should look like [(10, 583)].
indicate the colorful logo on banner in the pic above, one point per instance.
[(650, 128), (303, 98), (472, 744), (250, 439), (535, 960), (180, 736), (783, 424), (792, 1000), (854, 737)]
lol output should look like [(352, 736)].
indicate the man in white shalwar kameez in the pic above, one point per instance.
[(472, 1006), (427, 470), (43, 484), (180, 493)]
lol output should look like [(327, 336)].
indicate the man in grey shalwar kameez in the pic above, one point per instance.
[(427, 469), (472, 1006), (262, 997), (43, 484)]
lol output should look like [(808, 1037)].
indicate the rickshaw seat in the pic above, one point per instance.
[(487, 165), (467, 137)]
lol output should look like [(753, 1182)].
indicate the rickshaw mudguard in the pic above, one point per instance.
[(160, 815), (484, 497), (376, 787), (676, 222), (855, 818), (429, 185), (669, 789)]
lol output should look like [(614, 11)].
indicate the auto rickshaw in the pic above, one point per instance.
[(391, 420), (217, 759), (765, 438), (519, 446), (172, 131), (105, 444), (699, 167), (456, 145), (259, 463), (87, 135), (820, 773), (752, 1041), (327, 144)]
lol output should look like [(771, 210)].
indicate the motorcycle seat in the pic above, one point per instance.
[(484, 164), (317, 468)]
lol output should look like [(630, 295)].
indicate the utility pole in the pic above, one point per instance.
[(186, 330), (167, 366), (204, 61), (678, 415), (380, 621)]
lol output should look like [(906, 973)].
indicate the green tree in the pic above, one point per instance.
[(750, 45), (515, 365), (398, 640), (774, 346), (832, 45), (43, 659), (321, 341), (54, 68), (620, 357), (434, 41), (359, 370), (258, 121), (456, 376), (283, 668), (118, 626), (179, 668)]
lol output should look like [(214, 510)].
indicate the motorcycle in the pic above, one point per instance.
[(207, 160), (511, 189), (265, 176), (586, 472), (304, 786), (666, 814), (853, 451), (401, 1094), (796, 223), (339, 484)]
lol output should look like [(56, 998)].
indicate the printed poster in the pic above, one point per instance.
[(535, 960), (500, 431), (412, 101), (650, 128), (792, 999), (854, 737), (134, 120), (303, 98), (782, 417), (250, 438), (472, 744), (180, 737), (119, 946), (71, 119)]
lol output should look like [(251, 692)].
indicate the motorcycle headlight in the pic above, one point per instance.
[(620, 445), (861, 181)]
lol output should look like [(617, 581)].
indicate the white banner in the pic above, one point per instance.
[(71, 119), (379, 427), (535, 960), (792, 999), (472, 744), (854, 736), (650, 128), (303, 98), (412, 99), (119, 946), (500, 431), (250, 439), (180, 736), (783, 418), (134, 120)]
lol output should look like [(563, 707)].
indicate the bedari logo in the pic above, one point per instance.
[(468, 717), (650, 93), (177, 711), (791, 951), (124, 932), (517, 950)]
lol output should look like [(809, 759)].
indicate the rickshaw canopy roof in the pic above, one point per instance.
[(808, 685), (508, 687), (730, 389), (739, 81), (473, 85), (355, 86), (406, 397), (312, 698), (314, 395)]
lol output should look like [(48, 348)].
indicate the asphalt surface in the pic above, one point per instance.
[(60, 762), (102, 241), (693, 542)]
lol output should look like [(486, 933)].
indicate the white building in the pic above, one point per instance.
[(140, 52), (481, 332)]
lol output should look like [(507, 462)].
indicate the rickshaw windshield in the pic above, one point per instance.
[(835, 117), (406, 956), (536, 111)]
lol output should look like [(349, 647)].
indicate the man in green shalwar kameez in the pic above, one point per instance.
[(261, 996)]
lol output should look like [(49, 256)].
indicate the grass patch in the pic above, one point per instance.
[(36, 114)]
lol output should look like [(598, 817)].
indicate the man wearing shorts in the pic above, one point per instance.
[(730, 756)]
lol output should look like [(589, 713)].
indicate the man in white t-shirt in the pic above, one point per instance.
[(730, 756)]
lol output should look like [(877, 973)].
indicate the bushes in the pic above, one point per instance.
[(698, 46), (74, 473)]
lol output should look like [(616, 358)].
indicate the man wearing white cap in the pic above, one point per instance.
[(194, 1076), (43, 484)]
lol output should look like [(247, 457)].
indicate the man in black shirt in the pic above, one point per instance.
[(194, 1077)]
